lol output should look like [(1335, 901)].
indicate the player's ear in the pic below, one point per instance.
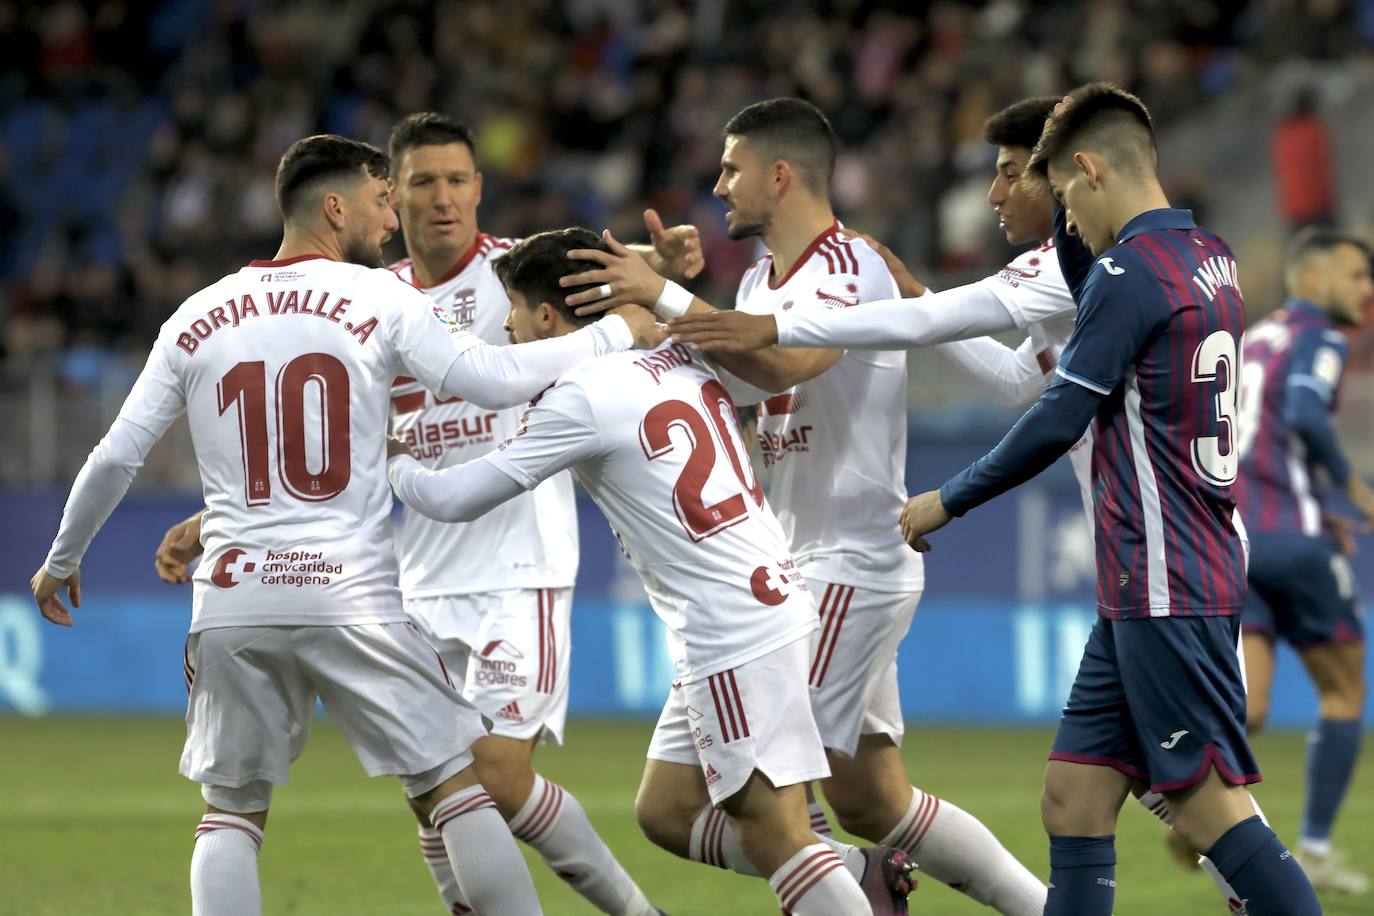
[(333, 206), (1088, 165), (782, 176), (477, 182)]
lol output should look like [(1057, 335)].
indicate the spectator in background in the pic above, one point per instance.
[(1304, 170)]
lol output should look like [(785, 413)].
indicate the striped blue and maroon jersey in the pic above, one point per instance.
[(1160, 319), (1295, 348)]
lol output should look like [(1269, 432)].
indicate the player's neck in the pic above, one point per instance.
[(1133, 200), (431, 267), (793, 231), (299, 241)]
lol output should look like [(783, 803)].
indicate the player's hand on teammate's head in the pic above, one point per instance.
[(180, 545), (45, 589), (648, 332), (725, 331), (920, 516), (624, 278), (678, 248), (396, 447), (907, 285)]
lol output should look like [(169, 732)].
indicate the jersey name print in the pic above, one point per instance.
[(282, 369)]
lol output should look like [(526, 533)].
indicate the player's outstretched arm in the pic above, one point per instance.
[(495, 377), (631, 280), (961, 313), (179, 547), (1016, 376), (1046, 431), (460, 493)]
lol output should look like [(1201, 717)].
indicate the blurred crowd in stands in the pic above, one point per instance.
[(138, 139)]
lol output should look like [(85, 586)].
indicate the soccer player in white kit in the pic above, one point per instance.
[(494, 595), (834, 433), (654, 440), (1028, 294), (283, 369)]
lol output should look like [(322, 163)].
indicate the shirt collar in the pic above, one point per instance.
[(1152, 220), (1308, 308)]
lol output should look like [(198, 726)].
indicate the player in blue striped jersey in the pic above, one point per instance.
[(1301, 587), (1159, 697)]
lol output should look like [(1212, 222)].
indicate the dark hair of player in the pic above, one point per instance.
[(533, 268), (1102, 118), (428, 128), (792, 130), (324, 158), (1321, 240), (1021, 123)]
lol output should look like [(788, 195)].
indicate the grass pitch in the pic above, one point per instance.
[(95, 820)]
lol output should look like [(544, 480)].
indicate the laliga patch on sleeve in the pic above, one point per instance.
[(446, 319), (1327, 366)]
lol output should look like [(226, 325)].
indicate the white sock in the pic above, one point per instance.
[(814, 882), (224, 867), (953, 846), (554, 823), (1156, 804), (819, 824), (491, 874), (436, 859), (714, 843)]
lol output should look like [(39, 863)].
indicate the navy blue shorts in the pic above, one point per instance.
[(1301, 591), (1162, 700)]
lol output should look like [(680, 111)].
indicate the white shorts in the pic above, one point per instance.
[(753, 717), (253, 690), (853, 674), (515, 668)]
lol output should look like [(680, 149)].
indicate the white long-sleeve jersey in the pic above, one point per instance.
[(284, 370), (653, 437)]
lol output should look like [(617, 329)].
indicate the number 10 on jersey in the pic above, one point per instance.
[(245, 386)]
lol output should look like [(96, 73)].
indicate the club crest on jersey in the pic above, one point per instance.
[(465, 307)]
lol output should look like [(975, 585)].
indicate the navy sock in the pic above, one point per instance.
[(1263, 872), (1082, 876), (1331, 754)]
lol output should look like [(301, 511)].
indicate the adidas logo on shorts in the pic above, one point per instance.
[(510, 712), (711, 775)]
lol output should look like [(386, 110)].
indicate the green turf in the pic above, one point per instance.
[(95, 820)]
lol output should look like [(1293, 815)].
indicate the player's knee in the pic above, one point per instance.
[(872, 821), (1065, 811), (663, 824), (509, 784)]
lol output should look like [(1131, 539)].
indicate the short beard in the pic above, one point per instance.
[(739, 229), (362, 252)]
